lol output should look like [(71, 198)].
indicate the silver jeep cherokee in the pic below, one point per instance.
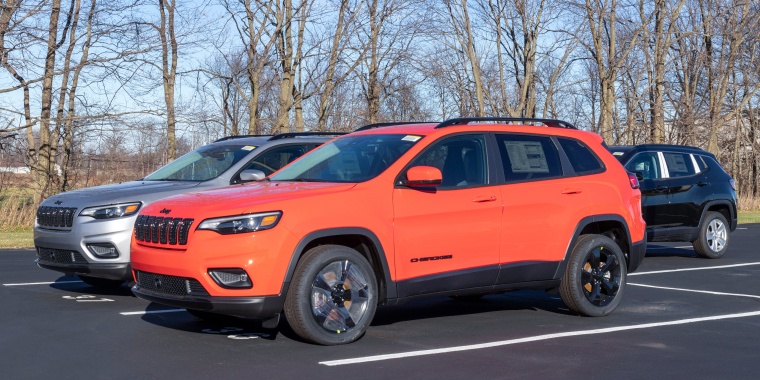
[(87, 232)]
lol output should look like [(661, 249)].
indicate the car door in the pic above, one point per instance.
[(688, 192), (540, 195), (447, 237), (654, 193)]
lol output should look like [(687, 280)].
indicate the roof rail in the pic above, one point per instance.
[(239, 137), (466, 120), (378, 125), (296, 134)]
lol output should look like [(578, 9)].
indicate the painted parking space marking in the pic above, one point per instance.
[(696, 291), (87, 298), (151, 312), (691, 269), (402, 355), (44, 283)]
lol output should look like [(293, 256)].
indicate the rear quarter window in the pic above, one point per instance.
[(582, 158)]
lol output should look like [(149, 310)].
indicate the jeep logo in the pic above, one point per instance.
[(58, 202), (432, 258), (165, 211)]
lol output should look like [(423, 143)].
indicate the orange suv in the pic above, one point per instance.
[(394, 213)]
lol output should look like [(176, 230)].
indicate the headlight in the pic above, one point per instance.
[(108, 212), (242, 223)]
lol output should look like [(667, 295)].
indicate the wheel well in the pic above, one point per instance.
[(613, 230), (362, 244), (723, 209)]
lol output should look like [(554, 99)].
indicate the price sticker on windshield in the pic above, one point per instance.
[(412, 138), (249, 147)]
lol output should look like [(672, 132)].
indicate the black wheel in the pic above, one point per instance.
[(101, 282), (209, 316), (713, 236), (595, 278), (467, 297), (332, 297)]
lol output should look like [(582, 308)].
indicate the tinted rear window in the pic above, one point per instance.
[(679, 164), (584, 161), (528, 157)]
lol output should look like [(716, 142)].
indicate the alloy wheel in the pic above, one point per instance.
[(340, 296), (600, 276), (716, 235)]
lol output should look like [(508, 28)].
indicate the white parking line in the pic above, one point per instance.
[(532, 339), (43, 283), (690, 269), (741, 228), (151, 312), (696, 291)]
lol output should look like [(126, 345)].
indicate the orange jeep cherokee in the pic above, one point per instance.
[(393, 213)]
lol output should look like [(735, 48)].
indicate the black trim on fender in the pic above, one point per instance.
[(732, 221), (390, 285), (576, 234), (265, 307), (525, 271), (111, 271), (636, 255), (440, 282)]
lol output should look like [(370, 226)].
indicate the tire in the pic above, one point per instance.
[(468, 297), (101, 282), (326, 311), (208, 316), (714, 229), (594, 293)]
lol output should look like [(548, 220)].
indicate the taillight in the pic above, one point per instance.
[(634, 180), (733, 183)]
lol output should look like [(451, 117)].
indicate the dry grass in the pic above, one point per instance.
[(748, 203), (16, 239), (17, 213)]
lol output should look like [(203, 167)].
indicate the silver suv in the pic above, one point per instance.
[(87, 232)]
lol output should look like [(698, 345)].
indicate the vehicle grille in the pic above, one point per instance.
[(162, 230), (48, 216), (60, 256), (169, 285)]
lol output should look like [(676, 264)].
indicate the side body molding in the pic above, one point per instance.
[(390, 285)]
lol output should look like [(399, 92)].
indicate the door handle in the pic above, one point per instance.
[(661, 188), (484, 198), (701, 183), (572, 191)]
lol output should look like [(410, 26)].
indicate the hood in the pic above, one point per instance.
[(145, 191), (241, 199)]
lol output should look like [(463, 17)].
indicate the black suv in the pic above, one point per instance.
[(686, 195)]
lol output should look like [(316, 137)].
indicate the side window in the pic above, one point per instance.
[(583, 160), (646, 163), (528, 157), (461, 160), (700, 163), (275, 159), (679, 164)]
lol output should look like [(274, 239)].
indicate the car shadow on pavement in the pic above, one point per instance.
[(663, 251), (69, 284), (533, 300)]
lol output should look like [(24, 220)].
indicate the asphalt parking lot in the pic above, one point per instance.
[(681, 317)]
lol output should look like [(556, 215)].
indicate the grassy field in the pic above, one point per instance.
[(749, 216)]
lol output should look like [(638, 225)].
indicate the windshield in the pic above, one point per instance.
[(202, 164), (348, 159)]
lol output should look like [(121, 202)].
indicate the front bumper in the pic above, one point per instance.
[(263, 308), (111, 271), (636, 255)]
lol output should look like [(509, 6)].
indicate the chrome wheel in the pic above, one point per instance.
[(716, 235), (600, 276), (340, 296)]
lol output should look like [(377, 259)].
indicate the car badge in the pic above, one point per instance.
[(58, 202), (158, 284), (165, 211)]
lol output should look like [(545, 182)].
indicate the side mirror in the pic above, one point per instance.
[(251, 175), (423, 176), (639, 175)]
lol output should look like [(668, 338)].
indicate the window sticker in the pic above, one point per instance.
[(411, 138), (248, 147), (617, 153), (527, 156), (676, 163)]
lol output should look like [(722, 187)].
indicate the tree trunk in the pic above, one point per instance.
[(169, 47)]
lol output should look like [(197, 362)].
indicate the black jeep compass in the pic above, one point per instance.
[(686, 195)]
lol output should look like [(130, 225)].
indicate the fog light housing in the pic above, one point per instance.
[(231, 278), (103, 250)]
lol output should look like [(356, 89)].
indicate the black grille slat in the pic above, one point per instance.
[(155, 226), (138, 227), (148, 226), (173, 231), (60, 256), (60, 217), (183, 231), (170, 285), (164, 230)]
